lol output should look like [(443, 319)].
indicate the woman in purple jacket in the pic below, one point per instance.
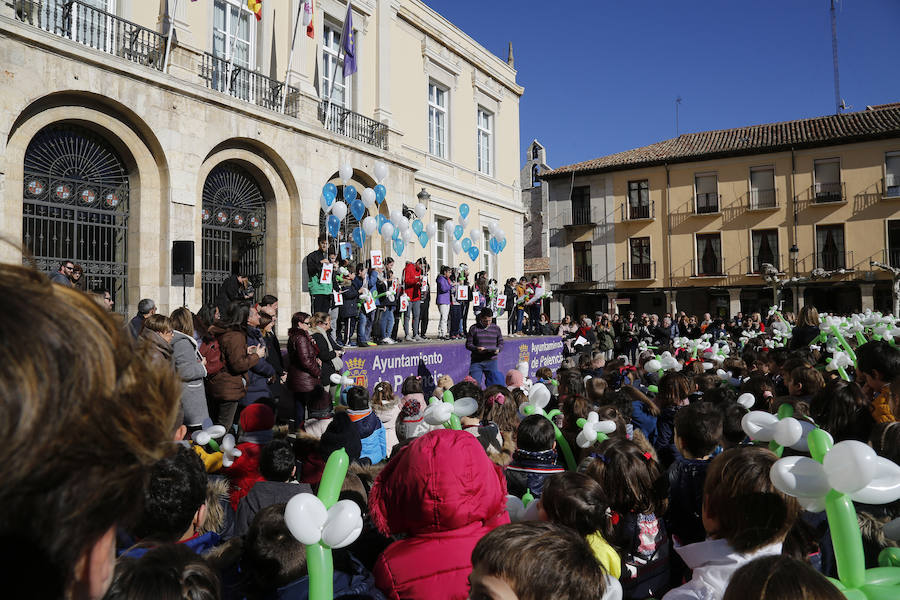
[(444, 288)]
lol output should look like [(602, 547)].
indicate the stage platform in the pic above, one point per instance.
[(394, 363)]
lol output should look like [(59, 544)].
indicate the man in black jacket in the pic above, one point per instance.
[(314, 261)]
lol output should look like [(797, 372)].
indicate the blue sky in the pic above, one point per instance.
[(601, 76)]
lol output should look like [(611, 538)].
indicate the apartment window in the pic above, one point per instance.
[(232, 33), (440, 243), (581, 205), (762, 187), (331, 47), (583, 262), (830, 253), (706, 188), (437, 120), (639, 199), (827, 187), (709, 254), (765, 248), (485, 141), (893, 235), (892, 174), (490, 261), (640, 258)]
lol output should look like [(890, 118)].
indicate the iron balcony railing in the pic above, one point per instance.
[(755, 263), (645, 270), (583, 273), (241, 83), (581, 214), (706, 203), (633, 212), (95, 28), (834, 260), (354, 125), (707, 270), (762, 199), (823, 193)]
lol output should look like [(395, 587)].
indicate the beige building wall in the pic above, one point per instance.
[(172, 130)]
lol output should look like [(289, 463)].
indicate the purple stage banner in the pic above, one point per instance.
[(368, 366)]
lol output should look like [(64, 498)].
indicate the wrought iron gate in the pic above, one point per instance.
[(75, 207), (234, 229)]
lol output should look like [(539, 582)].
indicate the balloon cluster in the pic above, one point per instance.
[(780, 431), (322, 522), (593, 430), (538, 398), (359, 203), (447, 411)]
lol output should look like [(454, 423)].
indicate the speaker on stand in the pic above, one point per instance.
[(183, 263)]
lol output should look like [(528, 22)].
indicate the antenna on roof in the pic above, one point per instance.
[(838, 101), (677, 104)]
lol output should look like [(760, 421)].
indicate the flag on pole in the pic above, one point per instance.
[(255, 6), (308, 18), (348, 43)]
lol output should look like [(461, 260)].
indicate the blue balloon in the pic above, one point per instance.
[(464, 210), (466, 244), (423, 238), (417, 226), (329, 192), (494, 245), (396, 235), (473, 253), (458, 231), (349, 193), (502, 244), (359, 236), (334, 226), (399, 246), (379, 221), (357, 209), (380, 194)]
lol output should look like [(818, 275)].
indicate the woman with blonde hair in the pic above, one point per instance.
[(191, 368), (806, 329)]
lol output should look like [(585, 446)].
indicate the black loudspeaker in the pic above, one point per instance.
[(183, 257)]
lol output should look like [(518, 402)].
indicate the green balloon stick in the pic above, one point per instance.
[(319, 559)]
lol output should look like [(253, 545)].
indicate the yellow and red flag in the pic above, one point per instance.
[(255, 6)]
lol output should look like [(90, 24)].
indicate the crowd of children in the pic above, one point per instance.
[(674, 502)]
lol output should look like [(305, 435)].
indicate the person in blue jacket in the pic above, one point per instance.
[(367, 423), (259, 374)]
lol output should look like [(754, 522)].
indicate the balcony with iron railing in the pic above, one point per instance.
[(638, 212), (706, 204), (583, 274), (754, 263), (699, 269), (827, 193), (95, 28), (353, 125), (762, 199), (242, 83), (834, 260), (639, 271)]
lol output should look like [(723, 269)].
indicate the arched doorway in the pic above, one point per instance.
[(234, 228), (75, 206)]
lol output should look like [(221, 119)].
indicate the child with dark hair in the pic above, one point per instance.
[(745, 517), (577, 501), (411, 421), (804, 383), (371, 432), (170, 571), (698, 432), (720, 394), (277, 464), (780, 578), (674, 389), (535, 457), (634, 489), (536, 561), (732, 431), (842, 410), (878, 364), (175, 505), (276, 563)]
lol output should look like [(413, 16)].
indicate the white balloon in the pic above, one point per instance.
[(586, 438), (492, 227), (339, 209), (533, 513), (788, 431), (346, 172), (747, 400), (381, 171), (463, 221), (420, 210), (305, 515), (368, 197), (343, 524), (409, 235), (759, 425), (802, 444), (431, 230), (324, 204), (438, 413), (403, 224), (515, 508), (850, 466), (396, 217), (456, 246), (885, 486), (652, 365), (449, 226), (539, 395), (387, 231), (465, 406), (500, 235), (799, 476), (369, 225), (812, 504), (475, 235)]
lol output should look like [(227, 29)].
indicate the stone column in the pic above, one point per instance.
[(613, 307), (798, 298), (734, 301), (867, 295), (670, 302)]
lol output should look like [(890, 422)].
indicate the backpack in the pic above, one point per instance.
[(213, 354)]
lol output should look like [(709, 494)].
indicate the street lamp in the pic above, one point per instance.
[(423, 196), (794, 253)]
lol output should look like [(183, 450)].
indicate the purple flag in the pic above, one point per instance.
[(348, 43)]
